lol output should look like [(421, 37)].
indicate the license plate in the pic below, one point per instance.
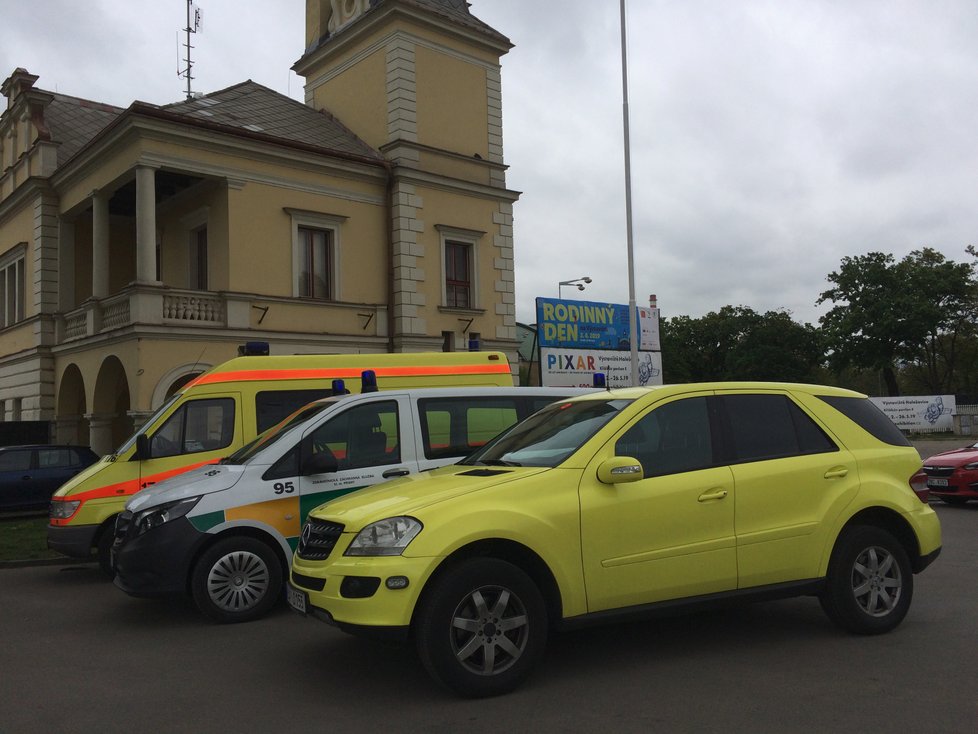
[(937, 482), (298, 600)]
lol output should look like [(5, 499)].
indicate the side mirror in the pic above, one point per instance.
[(142, 447), (322, 462), (620, 469)]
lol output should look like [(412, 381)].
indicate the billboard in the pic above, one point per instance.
[(580, 338), (925, 414), (593, 325)]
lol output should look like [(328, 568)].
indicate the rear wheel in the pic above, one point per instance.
[(237, 580), (103, 548), (481, 628), (870, 582)]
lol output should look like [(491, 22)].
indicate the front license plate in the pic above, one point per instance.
[(937, 482), (298, 600)]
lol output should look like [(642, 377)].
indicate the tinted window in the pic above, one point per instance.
[(452, 427), (867, 416), (272, 406), (199, 425), (15, 460), (673, 438), (365, 435), (768, 427)]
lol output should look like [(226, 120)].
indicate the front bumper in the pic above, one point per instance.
[(386, 611), (158, 562), (75, 541)]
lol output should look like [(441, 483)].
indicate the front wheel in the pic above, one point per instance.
[(481, 628), (870, 582), (237, 580)]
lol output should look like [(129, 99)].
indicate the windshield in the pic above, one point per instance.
[(160, 411), (548, 437), (265, 439)]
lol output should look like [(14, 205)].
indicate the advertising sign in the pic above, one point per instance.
[(593, 325), (576, 367), (928, 413)]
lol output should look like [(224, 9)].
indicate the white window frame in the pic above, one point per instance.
[(16, 256), (330, 223), (468, 237)]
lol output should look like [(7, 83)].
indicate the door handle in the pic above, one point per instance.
[(713, 494), (837, 473), (399, 472)]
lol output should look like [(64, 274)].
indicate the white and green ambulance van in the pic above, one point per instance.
[(224, 532)]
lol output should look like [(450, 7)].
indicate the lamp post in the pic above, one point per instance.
[(579, 282)]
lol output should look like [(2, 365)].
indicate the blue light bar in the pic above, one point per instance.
[(368, 381)]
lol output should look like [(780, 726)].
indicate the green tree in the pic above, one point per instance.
[(737, 343), (890, 314)]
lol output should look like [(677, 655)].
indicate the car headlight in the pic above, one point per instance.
[(156, 516), (63, 509), (972, 465), (385, 538)]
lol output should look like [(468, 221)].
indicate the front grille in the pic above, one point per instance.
[(308, 582), (317, 539), (939, 471)]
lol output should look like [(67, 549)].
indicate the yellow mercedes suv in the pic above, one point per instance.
[(623, 503)]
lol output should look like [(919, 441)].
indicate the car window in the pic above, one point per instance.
[(864, 413), (55, 457), (364, 435), (672, 438), (455, 426), (762, 427), (198, 425), (548, 437), (15, 460), (272, 406)]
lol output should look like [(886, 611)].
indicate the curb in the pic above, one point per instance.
[(29, 563)]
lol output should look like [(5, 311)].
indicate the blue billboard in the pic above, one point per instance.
[(593, 325)]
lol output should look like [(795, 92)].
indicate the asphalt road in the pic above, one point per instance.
[(78, 655)]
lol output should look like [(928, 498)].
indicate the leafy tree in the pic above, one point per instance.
[(889, 314), (737, 343)]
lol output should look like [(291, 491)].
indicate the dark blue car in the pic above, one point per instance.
[(29, 475)]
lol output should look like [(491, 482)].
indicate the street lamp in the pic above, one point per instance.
[(579, 282)]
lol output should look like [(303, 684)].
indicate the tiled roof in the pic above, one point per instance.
[(457, 10), (251, 107), (73, 122)]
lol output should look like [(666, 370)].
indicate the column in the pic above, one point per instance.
[(145, 224), (100, 433), (100, 244)]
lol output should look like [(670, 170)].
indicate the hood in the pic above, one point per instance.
[(194, 483), (955, 457), (410, 495)]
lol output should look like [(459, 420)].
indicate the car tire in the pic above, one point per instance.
[(103, 548), (237, 579), (481, 627), (869, 584)]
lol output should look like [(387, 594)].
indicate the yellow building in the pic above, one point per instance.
[(140, 246)]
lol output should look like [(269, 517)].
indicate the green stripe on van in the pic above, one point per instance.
[(208, 520)]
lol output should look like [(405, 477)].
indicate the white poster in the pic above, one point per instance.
[(576, 367), (929, 413)]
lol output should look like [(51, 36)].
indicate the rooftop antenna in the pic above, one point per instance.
[(193, 26)]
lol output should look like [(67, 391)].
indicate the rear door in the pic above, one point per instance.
[(790, 478)]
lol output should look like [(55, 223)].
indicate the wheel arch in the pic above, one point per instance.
[(237, 531), (892, 522), (510, 551)]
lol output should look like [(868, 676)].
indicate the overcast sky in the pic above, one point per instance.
[(770, 138)]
